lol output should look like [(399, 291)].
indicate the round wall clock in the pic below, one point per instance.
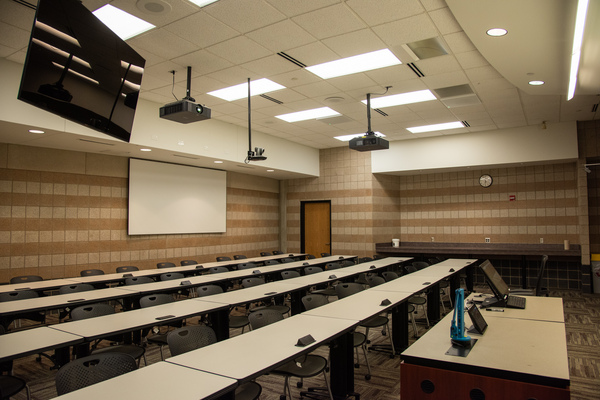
[(485, 180)]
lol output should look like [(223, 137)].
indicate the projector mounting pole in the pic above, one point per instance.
[(188, 90), (369, 132), (250, 153)]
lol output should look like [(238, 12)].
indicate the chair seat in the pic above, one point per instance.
[(374, 322), (303, 367), (160, 338), (330, 291), (10, 385), (248, 391), (417, 300), (238, 321), (358, 339), (281, 308), (134, 351)]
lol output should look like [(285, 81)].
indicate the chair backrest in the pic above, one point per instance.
[(207, 290), (246, 265), (286, 260), (271, 262), (314, 300), (375, 280), (254, 281), (265, 253), (264, 317), (136, 280), (333, 265), (156, 299), (91, 311), (165, 265), (420, 264), (289, 274), (18, 295), (364, 259), (540, 277), (171, 276), (188, 338), (312, 270), (188, 262), (325, 254), (78, 287), (346, 289), (86, 371), (310, 257), (91, 272), (223, 258), (26, 279), (410, 269), (217, 270), (389, 275), (239, 257), (127, 268), (277, 252), (432, 261)]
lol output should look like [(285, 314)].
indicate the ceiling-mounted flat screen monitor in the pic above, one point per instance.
[(76, 67)]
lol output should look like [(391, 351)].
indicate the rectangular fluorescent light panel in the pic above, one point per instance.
[(308, 114), (436, 127), (582, 7), (202, 3), (240, 91), (347, 138), (122, 23), (401, 99), (352, 65)]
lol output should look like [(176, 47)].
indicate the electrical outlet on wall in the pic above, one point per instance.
[(432, 239), (541, 240), (487, 240)]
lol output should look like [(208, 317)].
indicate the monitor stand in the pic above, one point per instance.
[(493, 302)]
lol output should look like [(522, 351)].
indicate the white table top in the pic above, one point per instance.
[(38, 285), (71, 300), (520, 346), (359, 306), (548, 309), (253, 293), (98, 327), (35, 340), (161, 380), (250, 355)]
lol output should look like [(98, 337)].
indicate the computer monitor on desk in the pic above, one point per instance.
[(502, 297)]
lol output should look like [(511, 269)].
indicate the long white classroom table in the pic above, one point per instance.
[(34, 341), (161, 380), (518, 356)]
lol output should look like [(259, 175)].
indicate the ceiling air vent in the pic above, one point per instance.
[(457, 96), (264, 96), (291, 59)]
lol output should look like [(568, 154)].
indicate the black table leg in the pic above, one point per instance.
[(220, 323), (342, 366), (433, 307), (400, 327)]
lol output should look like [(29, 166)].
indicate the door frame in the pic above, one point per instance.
[(302, 220)]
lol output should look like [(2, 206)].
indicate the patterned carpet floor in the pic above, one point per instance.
[(582, 317)]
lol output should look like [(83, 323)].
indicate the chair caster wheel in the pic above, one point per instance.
[(357, 365), (299, 384), (368, 377), (282, 397)]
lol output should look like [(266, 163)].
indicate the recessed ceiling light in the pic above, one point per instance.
[(308, 114), (36, 131), (270, 170), (218, 162), (123, 24), (402, 98), (536, 83), (240, 91), (497, 32), (145, 149), (582, 6), (347, 138), (202, 3), (436, 127), (352, 65)]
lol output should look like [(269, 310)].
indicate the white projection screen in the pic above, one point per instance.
[(175, 199)]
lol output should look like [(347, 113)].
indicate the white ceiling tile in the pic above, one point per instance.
[(179, 10), (281, 36), (239, 50), (245, 16), (459, 42), (384, 10), (269, 66), (295, 7), (313, 54), (295, 78), (164, 43), (201, 29), (202, 62), (451, 78), (406, 30), (471, 59), (12, 37), (354, 43), (331, 21), (317, 89), (445, 21)]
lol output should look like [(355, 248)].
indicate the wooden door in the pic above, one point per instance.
[(316, 227)]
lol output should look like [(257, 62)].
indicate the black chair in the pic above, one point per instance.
[(235, 321), (25, 279), (420, 264), (98, 310), (410, 269), (255, 281), (378, 321), (538, 290), (389, 275), (333, 265), (265, 253), (286, 260), (325, 254), (217, 270), (239, 257), (277, 252), (302, 367), (375, 280), (75, 288), (364, 259), (137, 280), (91, 272), (271, 262), (312, 270), (10, 385), (223, 258), (127, 268), (188, 262), (170, 276), (86, 371), (289, 274), (312, 301), (159, 337), (310, 257), (20, 295), (193, 337), (252, 281), (165, 265), (247, 265)]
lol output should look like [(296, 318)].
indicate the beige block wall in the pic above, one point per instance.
[(62, 212)]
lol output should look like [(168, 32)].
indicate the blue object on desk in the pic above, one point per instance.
[(457, 329)]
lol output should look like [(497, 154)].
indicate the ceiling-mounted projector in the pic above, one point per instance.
[(369, 142), (185, 110)]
